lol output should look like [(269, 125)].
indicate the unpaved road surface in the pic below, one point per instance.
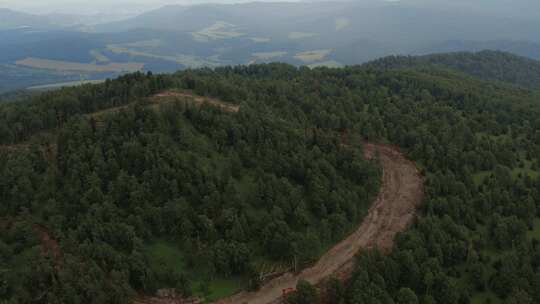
[(49, 245), (393, 210)]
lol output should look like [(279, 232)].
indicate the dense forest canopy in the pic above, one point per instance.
[(112, 176), (488, 65)]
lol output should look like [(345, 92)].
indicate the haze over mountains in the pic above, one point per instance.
[(410, 175), (39, 49)]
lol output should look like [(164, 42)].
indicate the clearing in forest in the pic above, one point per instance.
[(59, 65)]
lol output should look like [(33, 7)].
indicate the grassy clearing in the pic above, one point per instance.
[(220, 288), (163, 254), (526, 170), (165, 257), (59, 65), (485, 297), (186, 60)]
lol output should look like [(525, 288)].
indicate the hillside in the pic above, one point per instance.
[(488, 65), (201, 184), (118, 189)]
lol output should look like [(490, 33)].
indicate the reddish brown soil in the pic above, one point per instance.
[(49, 245), (393, 210)]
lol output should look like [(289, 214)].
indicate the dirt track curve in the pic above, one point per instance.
[(394, 209)]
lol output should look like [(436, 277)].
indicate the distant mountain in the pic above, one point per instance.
[(250, 16), (488, 65), (315, 33), (354, 32), (10, 19), (409, 24), (522, 48)]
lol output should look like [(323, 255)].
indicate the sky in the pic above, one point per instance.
[(120, 7)]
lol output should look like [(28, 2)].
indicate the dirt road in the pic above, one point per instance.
[(392, 211)]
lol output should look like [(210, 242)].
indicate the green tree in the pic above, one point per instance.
[(406, 296)]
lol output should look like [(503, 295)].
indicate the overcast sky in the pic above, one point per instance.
[(103, 6)]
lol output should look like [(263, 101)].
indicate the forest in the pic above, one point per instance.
[(488, 65), (96, 181)]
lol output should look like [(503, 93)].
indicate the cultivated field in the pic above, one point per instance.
[(63, 84), (186, 60), (301, 35), (269, 55), (312, 56), (219, 30), (58, 65)]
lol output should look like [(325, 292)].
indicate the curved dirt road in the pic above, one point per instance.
[(392, 211)]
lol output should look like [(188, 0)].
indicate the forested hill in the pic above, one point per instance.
[(108, 191), (488, 65)]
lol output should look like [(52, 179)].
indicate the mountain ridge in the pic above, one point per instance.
[(487, 64)]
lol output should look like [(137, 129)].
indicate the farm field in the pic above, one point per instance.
[(58, 65), (311, 56), (63, 84), (269, 55)]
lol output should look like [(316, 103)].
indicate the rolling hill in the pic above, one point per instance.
[(488, 65), (137, 187), (10, 19)]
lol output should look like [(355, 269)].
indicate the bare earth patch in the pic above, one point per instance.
[(49, 245), (394, 209)]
